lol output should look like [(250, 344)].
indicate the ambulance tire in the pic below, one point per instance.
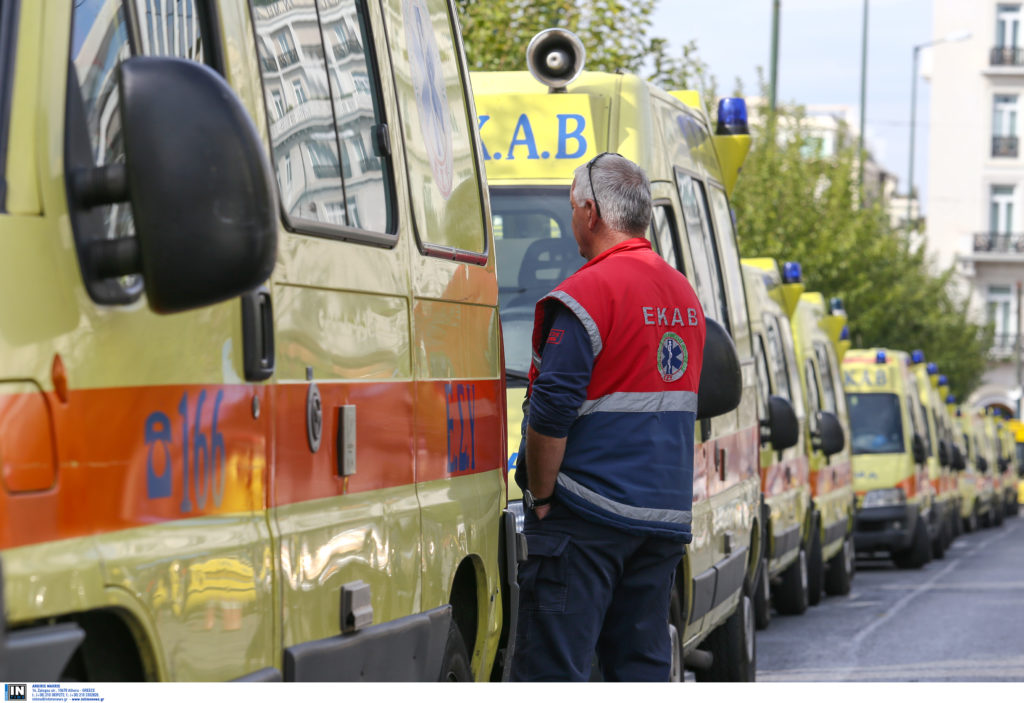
[(998, 513), (815, 565), (971, 522), (790, 596), (939, 542), (920, 551), (733, 645), (839, 576), (955, 523), (763, 596), (455, 666)]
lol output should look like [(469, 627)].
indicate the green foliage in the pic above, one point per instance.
[(614, 32), (792, 205)]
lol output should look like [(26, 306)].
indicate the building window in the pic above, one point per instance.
[(1006, 51), (1004, 126), (999, 307), (279, 105), (300, 92), (1001, 210)]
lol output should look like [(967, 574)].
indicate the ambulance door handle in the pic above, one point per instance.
[(258, 334)]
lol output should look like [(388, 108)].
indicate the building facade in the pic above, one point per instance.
[(976, 172)]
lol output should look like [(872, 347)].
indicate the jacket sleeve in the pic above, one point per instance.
[(561, 385)]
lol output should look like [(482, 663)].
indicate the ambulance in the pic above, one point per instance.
[(785, 471), (1007, 465), (994, 474), (957, 461), (537, 126), (970, 479), (1017, 428), (895, 499), (818, 332), (251, 413), (946, 509)]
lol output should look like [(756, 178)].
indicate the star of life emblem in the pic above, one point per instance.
[(672, 357)]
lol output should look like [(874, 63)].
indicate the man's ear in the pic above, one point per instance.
[(592, 217)]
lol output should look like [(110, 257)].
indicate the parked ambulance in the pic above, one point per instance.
[(536, 128), (251, 404), (895, 499), (785, 470), (946, 509)]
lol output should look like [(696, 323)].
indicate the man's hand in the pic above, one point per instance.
[(543, 459)]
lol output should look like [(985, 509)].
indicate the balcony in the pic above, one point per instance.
[(346, 47), (1004, 345), (368, 163), (326, 170), (1003, 147), (999, 242), (313, 51), (1006, 56), (287, 58)]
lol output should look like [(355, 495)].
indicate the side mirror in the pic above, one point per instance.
[(1004, 464), (959, 463), (944, 458), (830, 438), (200, 186), (783, 428), (917, 448), (982, 464), (721, 382)]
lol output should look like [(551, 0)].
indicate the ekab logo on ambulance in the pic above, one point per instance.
[(548, 137), (431, 99)]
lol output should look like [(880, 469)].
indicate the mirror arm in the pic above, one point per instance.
[(112, 258), (101, 185)]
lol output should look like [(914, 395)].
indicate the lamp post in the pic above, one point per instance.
[(863, 102), (954, 36)]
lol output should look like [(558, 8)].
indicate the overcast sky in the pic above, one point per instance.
[(820, 60)]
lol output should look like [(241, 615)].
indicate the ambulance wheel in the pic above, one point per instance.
[(732, 644), (971, 521), (790, 597), (455, 667), (956, 524), (840, 571), (939, 543), (763, 596), (997, 512), (815, 565), (920, 551)]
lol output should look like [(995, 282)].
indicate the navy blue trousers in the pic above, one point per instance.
[(589, 588)]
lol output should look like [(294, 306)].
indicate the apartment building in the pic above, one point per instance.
[(976, 171)]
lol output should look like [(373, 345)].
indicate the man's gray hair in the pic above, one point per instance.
[(623, 192)]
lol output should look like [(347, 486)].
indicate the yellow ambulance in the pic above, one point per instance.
[(817, 330), (970, 479), (890, 473), (537, 126), (1017, 428), (785, 471), (946, 510), (993, 448), (1007, 465), (251, 412)]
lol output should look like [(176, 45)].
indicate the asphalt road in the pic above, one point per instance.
[(957, 619)]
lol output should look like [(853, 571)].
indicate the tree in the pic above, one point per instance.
[(793, 205)]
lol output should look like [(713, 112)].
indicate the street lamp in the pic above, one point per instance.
[(954, 36)]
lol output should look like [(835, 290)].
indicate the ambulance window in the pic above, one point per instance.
[(813, 397), (730, 257), (764, 386), (825, 364), (319, 79), (663, 235), (104, 33), (534, 251), (440, 140), (778, 357), (8, 17), (792, 368), (706, 275)]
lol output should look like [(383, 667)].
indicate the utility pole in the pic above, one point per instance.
[(863, 101), (1017, 345), (773, 71)]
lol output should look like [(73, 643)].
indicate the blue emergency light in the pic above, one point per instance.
[(950, 398), (917, 357), (792, 273), (732, 116), (880, 357), (943, 380), (845, 334), (933, 368), (835, 305)]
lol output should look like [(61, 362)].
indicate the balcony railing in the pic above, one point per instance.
[(369, 163), (268, 63), (326, 170), (288, 58), (999, 242), (1006, 56), (346, 47), (313, 51), (1004, 146), (1004, 344)]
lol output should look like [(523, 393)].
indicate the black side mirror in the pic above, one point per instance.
[(830, 438), (721, 382), (1004, 464), (944, 458), (982, 464), (200, 185), (959, 463), (917, 448), (782, 425)]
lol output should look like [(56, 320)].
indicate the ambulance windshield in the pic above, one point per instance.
[(535, 251), (875, 423)]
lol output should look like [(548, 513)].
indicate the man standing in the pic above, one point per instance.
[(608, 481)]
